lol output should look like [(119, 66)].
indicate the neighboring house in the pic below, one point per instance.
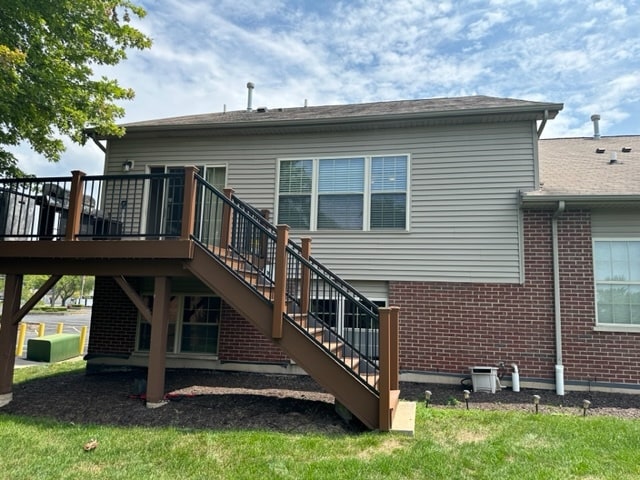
[(590, 196)]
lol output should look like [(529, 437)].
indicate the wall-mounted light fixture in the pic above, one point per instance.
[(126, 166)]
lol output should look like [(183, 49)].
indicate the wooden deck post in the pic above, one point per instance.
[(189, 202), (158, 347), (394, 343), (305, 280), (8, 334), (75, 205), (280, 281), (384, 382), (225, 230)]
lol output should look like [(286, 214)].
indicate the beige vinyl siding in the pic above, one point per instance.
[(615, 224), (464, 183)]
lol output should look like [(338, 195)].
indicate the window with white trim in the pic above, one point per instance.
[(194, 322), (350, 193), (617, 282)]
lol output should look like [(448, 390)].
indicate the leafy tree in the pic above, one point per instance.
[(47, 85), (66, 288)]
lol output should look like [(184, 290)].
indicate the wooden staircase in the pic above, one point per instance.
[(323, 355), (233, 249)]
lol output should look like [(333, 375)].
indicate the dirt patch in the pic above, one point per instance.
[(283, 403)]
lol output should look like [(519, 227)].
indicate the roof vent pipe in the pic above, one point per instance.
[(250, 87), (595, 118)]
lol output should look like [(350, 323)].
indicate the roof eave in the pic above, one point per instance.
[(537, 112), (577, 200)]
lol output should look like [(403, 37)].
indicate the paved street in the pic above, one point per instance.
[(73, 323)]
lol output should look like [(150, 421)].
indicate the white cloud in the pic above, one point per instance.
[(366, 50)]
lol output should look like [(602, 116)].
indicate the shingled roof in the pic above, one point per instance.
[(583, 167), (433, 110)]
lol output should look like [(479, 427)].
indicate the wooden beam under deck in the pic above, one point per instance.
[(96, 249), (102, 258)]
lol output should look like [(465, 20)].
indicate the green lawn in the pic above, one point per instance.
[(449, 444)]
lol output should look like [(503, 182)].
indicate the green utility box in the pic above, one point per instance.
[(53, 348)]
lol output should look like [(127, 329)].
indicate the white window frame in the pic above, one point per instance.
[(367, 192), (611, 327), (175, 350)]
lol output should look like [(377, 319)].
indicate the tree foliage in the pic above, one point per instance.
[(48, 90), (68, 286)]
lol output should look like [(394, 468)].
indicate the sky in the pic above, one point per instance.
[(585, 54)]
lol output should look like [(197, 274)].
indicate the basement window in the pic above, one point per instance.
[(194, 323)]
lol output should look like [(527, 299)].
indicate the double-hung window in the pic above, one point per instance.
[(350, 193), (617, 282), (194, 322)]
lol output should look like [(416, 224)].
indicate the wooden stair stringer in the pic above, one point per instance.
[(321, 366)]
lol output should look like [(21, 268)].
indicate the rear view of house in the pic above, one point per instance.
[(439, 207)]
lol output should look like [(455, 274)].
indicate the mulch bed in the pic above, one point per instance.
[(283, 403)]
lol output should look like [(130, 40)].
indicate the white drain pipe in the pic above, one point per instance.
[(515, 378), (556, 299)]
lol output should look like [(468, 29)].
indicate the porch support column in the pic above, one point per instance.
[(158, 347), (384, 382), (8, 334)]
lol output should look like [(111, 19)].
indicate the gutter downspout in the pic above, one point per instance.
[(544, 122), (556, 299)]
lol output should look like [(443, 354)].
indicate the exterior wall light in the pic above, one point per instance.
[(127, 166)]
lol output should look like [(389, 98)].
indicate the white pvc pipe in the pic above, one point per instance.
[(556, 299), (515, 378), (560, 379)]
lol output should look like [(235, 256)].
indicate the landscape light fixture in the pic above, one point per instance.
[(127, 166), (585, 406), (427, 397), (536, 401), (467, 394)]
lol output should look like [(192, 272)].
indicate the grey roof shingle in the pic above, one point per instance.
[(571, 166), (394, 109)]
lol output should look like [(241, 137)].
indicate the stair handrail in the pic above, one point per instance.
[(249, 224)]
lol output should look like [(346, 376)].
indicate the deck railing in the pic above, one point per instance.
[(304, 292), (169, 206), (99, 207)]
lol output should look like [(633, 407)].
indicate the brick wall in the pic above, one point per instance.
[(448, 327), (589, 355), (241, 341), (114, 323), (113, 320)]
